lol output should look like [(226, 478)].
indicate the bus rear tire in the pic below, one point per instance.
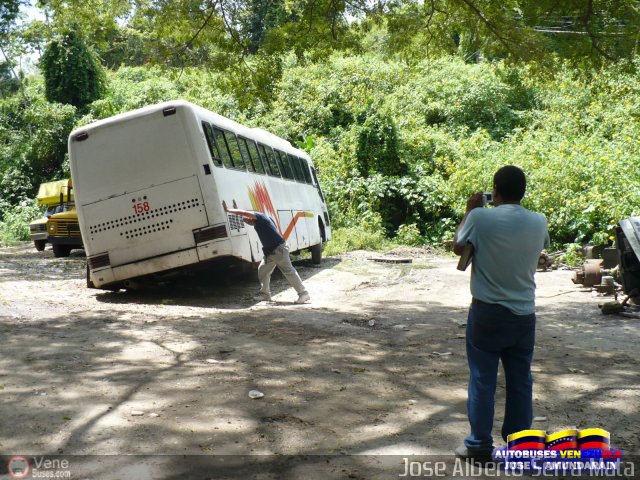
[(316, 253), (40, 244), (61, 250), (89, 281)]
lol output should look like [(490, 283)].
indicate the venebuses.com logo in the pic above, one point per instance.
[(19, 466)]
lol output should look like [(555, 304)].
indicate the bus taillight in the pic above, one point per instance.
[(210, 233)]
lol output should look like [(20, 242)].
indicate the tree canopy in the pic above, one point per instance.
[(405, 107)]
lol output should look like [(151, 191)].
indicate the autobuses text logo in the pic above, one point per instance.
[(565, 451), (18, 467)]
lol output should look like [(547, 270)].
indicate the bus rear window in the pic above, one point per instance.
[(211, 143), (234, 149)]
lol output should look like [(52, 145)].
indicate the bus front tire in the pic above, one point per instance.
[(316, 253), (40, 244), (61, 250)]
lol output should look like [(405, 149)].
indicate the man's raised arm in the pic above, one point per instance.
[(238, 211)]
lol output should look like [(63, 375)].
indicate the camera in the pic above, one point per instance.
[(487, 198)]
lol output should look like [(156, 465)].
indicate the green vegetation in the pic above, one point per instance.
[(72, 73), (446, 93), (15, 222)]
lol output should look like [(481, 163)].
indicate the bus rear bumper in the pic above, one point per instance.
[(109, 275)]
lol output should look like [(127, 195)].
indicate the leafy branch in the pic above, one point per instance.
[(490, 26)]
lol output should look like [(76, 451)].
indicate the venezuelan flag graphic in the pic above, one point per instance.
[(593, 439), (586, 451), (527, 440), (564, 440)]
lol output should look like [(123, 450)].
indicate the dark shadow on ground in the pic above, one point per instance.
[(319, 375), (225, 288), (335, 383)]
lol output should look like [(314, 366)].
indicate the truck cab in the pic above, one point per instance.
[(38, 228), (54, 196), (63, 229)]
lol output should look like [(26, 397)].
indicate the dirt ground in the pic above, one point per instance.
[(373, 366)]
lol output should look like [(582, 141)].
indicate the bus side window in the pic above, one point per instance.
[(253, 150), (265, 160), (276, 155), (295, 164), (234, 149), (284, 163), (224, 149), (211, 143), (245, 154), (315, 179), (305, 170), (267, 153)]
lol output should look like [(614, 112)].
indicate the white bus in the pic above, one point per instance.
[(149, 186)]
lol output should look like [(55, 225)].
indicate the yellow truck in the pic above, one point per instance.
[(38, 229), (59, 226), (49, 196), (63, 229)]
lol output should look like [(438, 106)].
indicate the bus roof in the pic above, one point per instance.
[(257, 134)]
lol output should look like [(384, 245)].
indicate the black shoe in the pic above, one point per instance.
[(473, 455)]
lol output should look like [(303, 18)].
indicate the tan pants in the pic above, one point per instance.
[(279, 258)]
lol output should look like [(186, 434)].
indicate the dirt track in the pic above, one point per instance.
[(374, 365)]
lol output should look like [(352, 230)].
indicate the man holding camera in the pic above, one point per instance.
[(507, 241)]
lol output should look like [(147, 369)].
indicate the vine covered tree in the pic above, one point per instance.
[(72, 72)]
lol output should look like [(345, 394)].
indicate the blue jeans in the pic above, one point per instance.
[(494, 333)]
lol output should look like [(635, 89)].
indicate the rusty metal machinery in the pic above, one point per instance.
[(545, 261), (590, 274)]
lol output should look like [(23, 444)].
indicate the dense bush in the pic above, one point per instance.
[(15, 222), (49, 125), (409, 234), (579, 153), (364, 237), (386, 138), (452, 93), (130, 88), (33, 143), (398, 148)]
